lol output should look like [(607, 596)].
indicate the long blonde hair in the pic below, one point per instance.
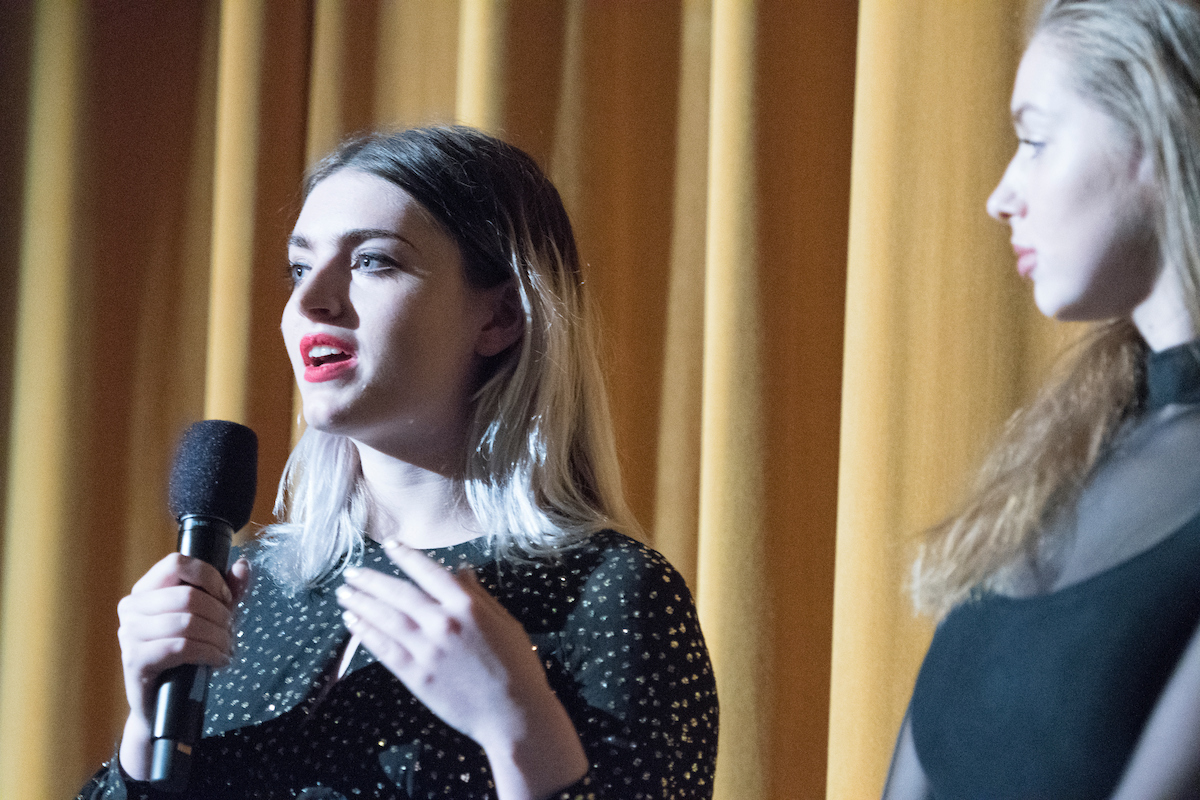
[(1139, 61), (540, 473)]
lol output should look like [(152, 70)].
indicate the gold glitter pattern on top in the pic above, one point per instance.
[(617, 632)]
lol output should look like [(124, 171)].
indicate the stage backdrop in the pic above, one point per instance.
[(150, 161)]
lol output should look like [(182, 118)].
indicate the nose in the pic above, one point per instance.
[(1005, 201), (323, 293)]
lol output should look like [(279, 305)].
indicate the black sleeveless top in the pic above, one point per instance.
[(1046, 696)]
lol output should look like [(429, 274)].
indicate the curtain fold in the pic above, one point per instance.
[(45, 387), (805, 77), (703, 151), (731, 564), (677, 490), (481, 38), (236, 160), (325, 123), (415, 46)]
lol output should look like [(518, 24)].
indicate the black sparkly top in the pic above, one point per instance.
[(1048, 695), (615, 626)]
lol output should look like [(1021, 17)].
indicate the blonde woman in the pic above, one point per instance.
[(447, 608), (1066, 663)]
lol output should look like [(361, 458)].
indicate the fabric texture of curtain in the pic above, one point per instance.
[(150, 162), (811, 329)]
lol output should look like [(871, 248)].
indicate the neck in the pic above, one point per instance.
[(421, 507), (1162, 318)]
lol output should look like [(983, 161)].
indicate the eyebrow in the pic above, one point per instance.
[(1019, 113), (354, 237)]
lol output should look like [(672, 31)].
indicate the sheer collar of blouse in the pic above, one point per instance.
[(1173, 376)]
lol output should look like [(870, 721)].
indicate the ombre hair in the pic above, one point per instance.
[(1139, 62), (540, 469)]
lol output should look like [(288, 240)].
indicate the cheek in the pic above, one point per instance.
[(291, 338), (1101, 270)]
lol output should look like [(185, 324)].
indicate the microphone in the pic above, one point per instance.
[(212, 490)]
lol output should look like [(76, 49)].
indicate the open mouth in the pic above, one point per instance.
[(319, 349), (323, 354), (325, 357)]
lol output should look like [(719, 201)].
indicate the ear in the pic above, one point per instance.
[(505, 323)]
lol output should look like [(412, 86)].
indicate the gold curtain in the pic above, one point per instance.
[(150, 159), (779, 395)]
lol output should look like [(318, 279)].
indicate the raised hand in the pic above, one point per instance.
[(471, 663)]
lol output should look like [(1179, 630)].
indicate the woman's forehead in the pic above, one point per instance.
[(1043, 82), (352, 200)]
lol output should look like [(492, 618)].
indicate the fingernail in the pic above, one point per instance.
[(395, 547), (344, 592), (352, 572), (350, 618)]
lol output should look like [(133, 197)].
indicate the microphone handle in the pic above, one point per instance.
[(179, 707)]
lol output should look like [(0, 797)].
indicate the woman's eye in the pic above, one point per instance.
[(1033, 145), (296, 273), (373, 262)]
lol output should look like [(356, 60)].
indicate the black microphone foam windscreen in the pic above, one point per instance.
[(215, 472)]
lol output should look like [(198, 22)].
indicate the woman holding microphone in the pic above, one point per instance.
[(448, 606)]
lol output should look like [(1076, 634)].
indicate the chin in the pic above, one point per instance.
[(1087, 307), (1055, 305), (1049, 310), (326, 420)]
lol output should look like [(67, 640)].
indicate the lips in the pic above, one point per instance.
[(326, 357), (1026, 260)]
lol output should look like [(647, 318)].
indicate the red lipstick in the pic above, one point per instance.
[(326, 357), (1026, 260)]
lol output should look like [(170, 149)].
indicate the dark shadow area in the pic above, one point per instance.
[(805, 98), (16, 32), (141, 69), (283, 110)]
